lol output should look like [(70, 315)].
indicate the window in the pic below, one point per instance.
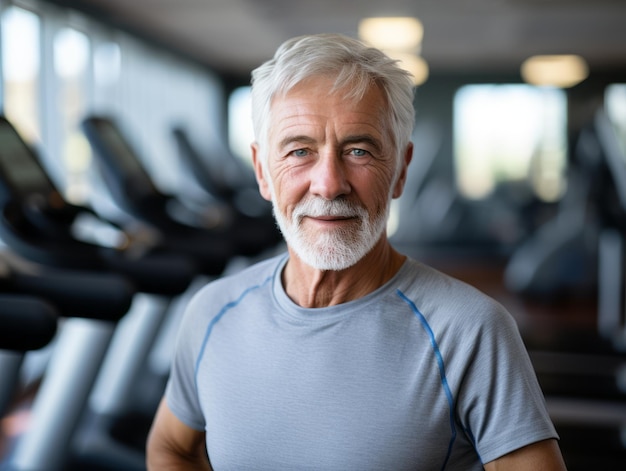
[(615, 104), (107, 64), (240, 132), (71, 67), (21, 70), (510, 133)]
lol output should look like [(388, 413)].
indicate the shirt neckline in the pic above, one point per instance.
[(323, 314)]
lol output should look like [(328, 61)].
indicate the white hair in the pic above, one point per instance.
[(355, 66)]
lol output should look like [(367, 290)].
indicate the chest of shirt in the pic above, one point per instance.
[(343, 393)]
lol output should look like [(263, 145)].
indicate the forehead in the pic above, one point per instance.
[(316, 101)]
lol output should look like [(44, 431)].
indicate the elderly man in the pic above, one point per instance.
[(343, 354)]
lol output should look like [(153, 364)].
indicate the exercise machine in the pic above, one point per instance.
[(581, 253), (226, 233), (224, 178), (91, 305), (40, 226)]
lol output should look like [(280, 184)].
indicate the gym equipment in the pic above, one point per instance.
[(581, 252), (184, 228), (611, 184), (38, 224), (32, 297), (436, 222), (560, 258), (225, 179), (93, 304), (26, 323)]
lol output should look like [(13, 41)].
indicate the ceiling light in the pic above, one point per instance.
[(562, 71), (415, 65), (398, 33)]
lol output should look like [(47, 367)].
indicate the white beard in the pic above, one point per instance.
[(331, 249)]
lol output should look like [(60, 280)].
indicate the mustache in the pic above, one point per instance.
[(317, 207)]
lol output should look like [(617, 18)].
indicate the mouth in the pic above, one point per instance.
[(331, 218), (329, 221)]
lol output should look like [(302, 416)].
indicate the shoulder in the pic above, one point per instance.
[(207, 305), (469, 328), (443, 300), (231, 287)]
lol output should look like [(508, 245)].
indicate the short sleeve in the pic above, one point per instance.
[(500, 403), (181, 392)]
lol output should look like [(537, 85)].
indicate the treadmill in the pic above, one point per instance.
[(181, 222), (37, 224)]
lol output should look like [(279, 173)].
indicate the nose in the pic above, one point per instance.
[(329, 177)]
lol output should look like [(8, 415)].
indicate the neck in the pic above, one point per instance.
[(312, 288)]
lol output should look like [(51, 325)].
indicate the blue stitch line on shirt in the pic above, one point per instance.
[(442, 371), (219, 315)]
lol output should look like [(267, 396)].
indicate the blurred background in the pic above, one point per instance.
[(517, 186)]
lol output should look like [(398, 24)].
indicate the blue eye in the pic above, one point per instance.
[(300, 152), (359, 152)]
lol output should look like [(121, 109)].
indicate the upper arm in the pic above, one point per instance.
[(540, 456), (173, 445)]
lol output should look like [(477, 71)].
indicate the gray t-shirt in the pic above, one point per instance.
[(425, 373)]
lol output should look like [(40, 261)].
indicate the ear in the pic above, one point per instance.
[(406, 160), (260, 173)]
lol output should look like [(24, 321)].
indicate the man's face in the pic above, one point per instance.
[(331, 173)]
